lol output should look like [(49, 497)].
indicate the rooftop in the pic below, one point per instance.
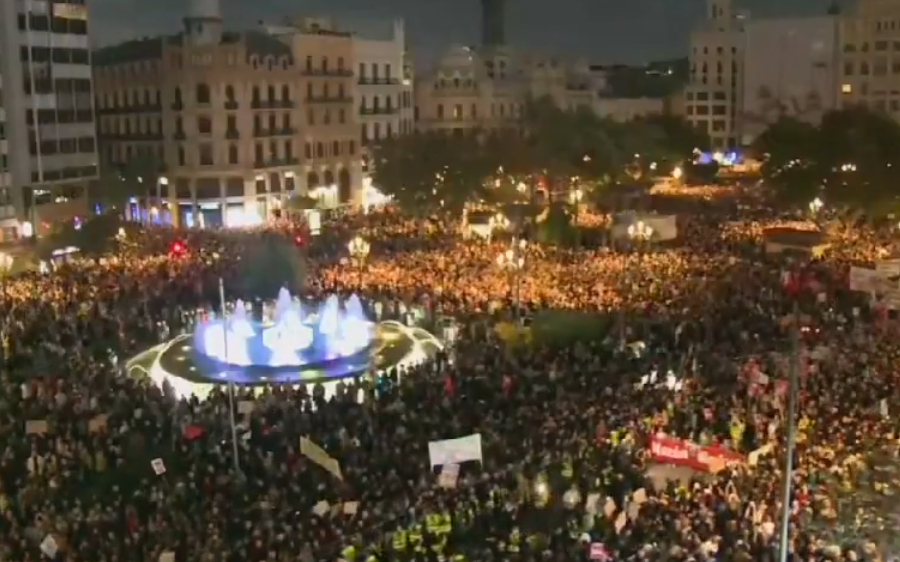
[(149, 48)]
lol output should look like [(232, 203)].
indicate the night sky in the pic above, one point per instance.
[(603, 31)]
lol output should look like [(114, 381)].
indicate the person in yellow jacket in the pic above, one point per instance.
[(400, 540)]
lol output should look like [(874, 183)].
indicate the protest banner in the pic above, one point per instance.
[(666, 449), (455, 451)]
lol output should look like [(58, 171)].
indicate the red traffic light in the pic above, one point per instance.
[(178, 248)]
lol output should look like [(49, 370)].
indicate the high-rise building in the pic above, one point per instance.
[(47, 133), (713, 94), (493, 23), (239, 122), (790, 69), (869, 56)]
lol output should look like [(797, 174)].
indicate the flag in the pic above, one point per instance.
[(193, 432)]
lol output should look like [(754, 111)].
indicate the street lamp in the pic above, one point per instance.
[(513, 261), (359, 251), (640, 231), (677, 173), (575, 197), (816, 205)]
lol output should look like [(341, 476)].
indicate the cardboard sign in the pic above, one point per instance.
[(246, 407), (351, 508), (321, 508), (49, 546), (36, 427), (639, 496), (167, 556), (159, 467)]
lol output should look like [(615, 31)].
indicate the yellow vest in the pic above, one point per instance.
[(399, 540)]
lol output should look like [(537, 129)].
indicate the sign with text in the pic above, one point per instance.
[(671, 450)]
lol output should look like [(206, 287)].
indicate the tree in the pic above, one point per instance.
[(791, 164), (849, 159), (431, 170), (117, 183)]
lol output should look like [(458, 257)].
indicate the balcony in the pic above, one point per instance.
[(286, 104), (369, 81), (129, 109), (231, 105), (275, 162), (336, 72), (178, 105), (232, 134), (287, 131), (329, 99), (179, 135), (265, 104), (131, 137), (379, 110), (263, 132)]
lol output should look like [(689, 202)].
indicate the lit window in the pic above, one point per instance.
[(847, 89)]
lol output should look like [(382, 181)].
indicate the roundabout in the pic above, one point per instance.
[(291, 347)]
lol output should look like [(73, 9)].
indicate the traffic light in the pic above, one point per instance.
[(178, 248)]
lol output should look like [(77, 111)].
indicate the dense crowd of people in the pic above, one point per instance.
[(585, 446)]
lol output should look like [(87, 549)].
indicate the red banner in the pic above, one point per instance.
[(666, 449)]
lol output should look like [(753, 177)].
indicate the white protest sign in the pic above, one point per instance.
[(350, 508), (449, 475), (245, 407), (321, 508), (455, 451), (166, 556), (49, 546), (159, 467)]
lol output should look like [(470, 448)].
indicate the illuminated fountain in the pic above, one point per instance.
[(293, 339), (292, 343)]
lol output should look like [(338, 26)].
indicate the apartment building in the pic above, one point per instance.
[(237, 121), (869, 56), (383, 88), (486, 88), (48, 148), (790, 69), (713, 95)]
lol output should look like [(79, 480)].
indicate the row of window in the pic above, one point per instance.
[(406, 127), (56, 55), (877, 68), (710, 125), (404, 99), (42, 22), (706, 110), (81, 145), (265, 154), (39, 81), (457, 111), (705, 96), (720, 68), (877, 46), (60, 116)]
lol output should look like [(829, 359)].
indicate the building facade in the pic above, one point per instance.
[(383, 88), (790, 69), (236, 122), (48, 148), (869, 56), (713, 94)]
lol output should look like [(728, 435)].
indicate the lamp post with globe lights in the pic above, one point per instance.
[(640, 231), (513, 261), (576, 197), (359, 251)]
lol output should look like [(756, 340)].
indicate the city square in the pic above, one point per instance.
[(380, 285)]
